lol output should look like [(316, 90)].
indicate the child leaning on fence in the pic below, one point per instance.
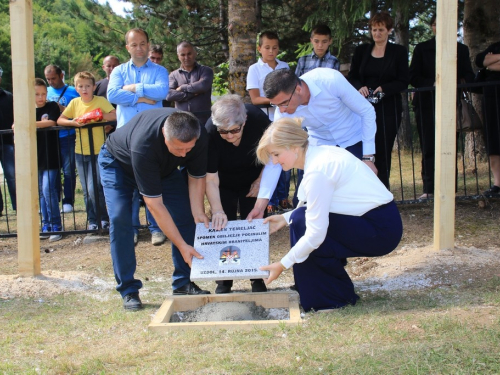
[(82, 111), (48, 162)]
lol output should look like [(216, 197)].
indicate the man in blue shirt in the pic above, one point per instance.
[(136, 86), (62, 94)]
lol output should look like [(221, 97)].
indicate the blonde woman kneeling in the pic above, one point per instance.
[(348, 213)]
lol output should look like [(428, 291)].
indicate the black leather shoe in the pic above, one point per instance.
[(223, 289), (258, 286), (132, 302), (493, 191), (190, 289)]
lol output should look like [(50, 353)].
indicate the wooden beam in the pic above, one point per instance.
[(161, 320), (23, 78), (446, 87)]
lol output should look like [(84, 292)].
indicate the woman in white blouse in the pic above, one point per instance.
[(347, 212)]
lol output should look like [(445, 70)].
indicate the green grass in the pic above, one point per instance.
[(416, 332)]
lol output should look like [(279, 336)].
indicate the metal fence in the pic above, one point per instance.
[(406, 178), (76, 221)]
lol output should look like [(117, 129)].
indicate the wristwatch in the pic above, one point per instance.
[(369, 158)]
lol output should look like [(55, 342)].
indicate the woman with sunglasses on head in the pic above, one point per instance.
[(344, 211), (233, 176)]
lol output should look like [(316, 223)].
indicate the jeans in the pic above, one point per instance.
[(9, 171), (67, 151), (95, 212), (136, 206), (119, 190), (281, 190), (49, 197)]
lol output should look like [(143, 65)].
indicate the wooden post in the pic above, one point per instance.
[(23, 77), (446, 87)]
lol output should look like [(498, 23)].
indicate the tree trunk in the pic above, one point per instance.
[(402, 36), (242, 36), (481, 20), (258, 15), (222, 25)]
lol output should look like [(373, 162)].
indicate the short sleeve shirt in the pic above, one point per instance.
[(47, 140), (76, 108), (63, 97), (140, 149), (256, 76)]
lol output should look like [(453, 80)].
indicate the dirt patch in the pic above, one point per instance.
[(52, 283), (71, 266), (422, 267)]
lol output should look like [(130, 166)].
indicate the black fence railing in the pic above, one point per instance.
[(78, 186), (410, 174)]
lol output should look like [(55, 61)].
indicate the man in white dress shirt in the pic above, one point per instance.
[(333, 112)]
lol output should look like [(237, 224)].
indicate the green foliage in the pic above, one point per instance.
[(78, 34), (5, 56), (205, 24), (220, 84), (74, 35), (342, 16), (172, 21), (349, 21)]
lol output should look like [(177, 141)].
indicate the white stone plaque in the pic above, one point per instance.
[(235, 252)]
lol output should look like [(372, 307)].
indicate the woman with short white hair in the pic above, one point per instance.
[(348, 213), (233, 176)]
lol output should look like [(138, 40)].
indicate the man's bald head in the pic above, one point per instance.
[(109, 63)]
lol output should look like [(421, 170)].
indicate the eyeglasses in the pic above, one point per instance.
[(232, 131), (285, 103)]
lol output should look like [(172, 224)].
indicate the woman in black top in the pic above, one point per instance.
[(233, 175), (490, 59), (379, 71)]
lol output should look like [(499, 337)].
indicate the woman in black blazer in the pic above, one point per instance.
[(379, 71), (423, 74)]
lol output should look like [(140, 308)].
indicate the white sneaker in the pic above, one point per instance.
[(157, 238), (67, 208), (93, 227), (426, 196), (55, 237)]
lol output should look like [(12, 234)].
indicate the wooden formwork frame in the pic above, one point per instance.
[(161, 320)]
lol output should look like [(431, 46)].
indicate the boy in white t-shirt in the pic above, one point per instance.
[(269, 48)]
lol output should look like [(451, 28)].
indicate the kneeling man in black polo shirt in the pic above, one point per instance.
[(146, 154)]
